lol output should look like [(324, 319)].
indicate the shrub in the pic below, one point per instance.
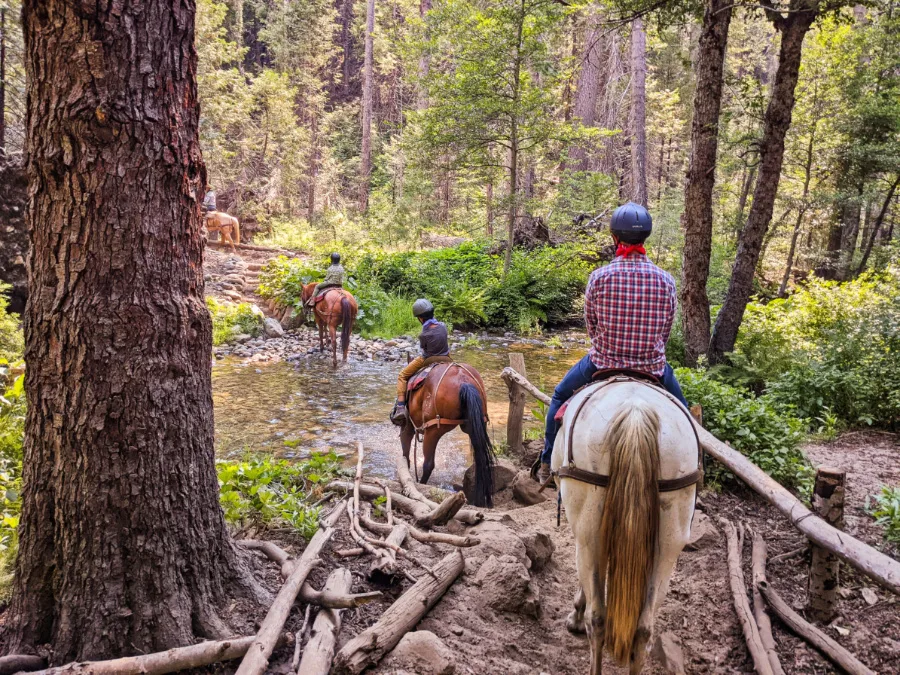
[(12, 343), (753, 426), (265, 491), (283, 279), (12, 431), (231, 320), (885, 508), (382, 314)]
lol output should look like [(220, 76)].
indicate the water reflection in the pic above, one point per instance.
[(292, 409)]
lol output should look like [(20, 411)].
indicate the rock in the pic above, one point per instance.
[(526, 491), (272, 328), (504, 473), (498, 540), (505, 586), (421, 652), (232, 295), (241, 338), (669, 654), (291, 319), (703, 532), (869, 596), (256, 311), (539, 548)]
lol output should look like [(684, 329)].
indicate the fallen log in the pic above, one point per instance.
[(834, 651), (308, 594), (411, 507), (425, 536), (741, 604), (20, 663), (257, 657), (758, 567), (443, 513), (319, 651), (409, 489), (511, 377), (171, 661), (371, 645), (388, 566)]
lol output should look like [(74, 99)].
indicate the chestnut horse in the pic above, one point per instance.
[(337, 308), (227, 226), (452, 395)]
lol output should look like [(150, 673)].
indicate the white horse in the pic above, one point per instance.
[(627, 535)]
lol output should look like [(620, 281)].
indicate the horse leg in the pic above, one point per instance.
[(672, 538), (575, 620), (321, 328), (332, 335), (429, 447), (407, 433), (593, 585)]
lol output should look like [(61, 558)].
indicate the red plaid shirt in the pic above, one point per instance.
[(629, 308)]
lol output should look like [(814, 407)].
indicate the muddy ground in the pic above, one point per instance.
[(526, 635)]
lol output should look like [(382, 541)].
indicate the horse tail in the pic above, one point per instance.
[(237, 230), (473, 412), (346, 323), (629, 525)]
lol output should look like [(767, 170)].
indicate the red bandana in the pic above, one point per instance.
[(626, 250)]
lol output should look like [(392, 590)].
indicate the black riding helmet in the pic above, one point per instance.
[(631, 223), (335, 258)]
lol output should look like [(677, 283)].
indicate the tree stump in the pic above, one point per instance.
[(516, 407), (824, 567)]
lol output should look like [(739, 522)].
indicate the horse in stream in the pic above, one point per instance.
[(450, 395), (628, 461), (336, 307)]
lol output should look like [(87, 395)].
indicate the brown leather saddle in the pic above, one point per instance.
[(417, 380), (601, 480)]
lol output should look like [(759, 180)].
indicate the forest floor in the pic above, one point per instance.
[(520, 630)]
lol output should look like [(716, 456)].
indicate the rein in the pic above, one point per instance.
[(601, 480)]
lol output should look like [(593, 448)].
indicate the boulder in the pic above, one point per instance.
[(527, 491), (291, 319), (504, 473), (667, 651), (539, 548), (421, 652), (505, 586), (232, 295), (703, 532), (272, 328), (498, 540)]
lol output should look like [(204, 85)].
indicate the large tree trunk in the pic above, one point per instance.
[(807, 179), (489, 206), (697, 220), (424, 63), (638, 115), (365, 164), (123, 546), (585, 108), (2, 82), (793, 27)]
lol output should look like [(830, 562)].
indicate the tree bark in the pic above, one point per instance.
[(698, 193), (516, 411), (807, 179), (793, 27), (489, 205), (2, 82), (424, 63), (588, 88), (850, 220), (876, 228), (123, 546), (824, 566), (365, 162), (638, 116)]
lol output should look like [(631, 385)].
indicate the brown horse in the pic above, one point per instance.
[(453, 395), (227, 226), (337, 308)]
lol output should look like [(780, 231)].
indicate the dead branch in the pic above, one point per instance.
[(371, 645), (388, 566), (388, 511), (758, 565), (319, 651), (741, 604), (20, 663), (349, 552), (511, 377), (408, 485), (171, 661), (444, 511), (257, 657), (793, 553), (843, 658), (411, 507), (298, 639), (424, 536)]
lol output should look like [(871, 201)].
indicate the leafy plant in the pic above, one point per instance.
[(267, 491), (232, 320), (12, 431), (12, 343), (885, 508)]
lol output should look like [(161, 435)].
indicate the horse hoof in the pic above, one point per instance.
[(574, 624)]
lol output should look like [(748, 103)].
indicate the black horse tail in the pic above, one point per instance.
[(346, 323), (473, 412)]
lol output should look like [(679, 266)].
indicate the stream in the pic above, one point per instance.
[(291, 409)]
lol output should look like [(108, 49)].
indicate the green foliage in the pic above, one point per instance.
[(283, 280), (753, 426), (382, 314), (231, 320), (12, 343), (829, 349), (264, 491), (885, 508), (12, 430)]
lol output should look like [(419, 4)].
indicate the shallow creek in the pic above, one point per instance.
[(292, 409)]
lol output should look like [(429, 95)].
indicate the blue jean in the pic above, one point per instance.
[(578, 376)]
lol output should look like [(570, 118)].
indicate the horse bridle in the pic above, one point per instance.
[(601, 480)]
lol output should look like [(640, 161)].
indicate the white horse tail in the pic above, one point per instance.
[(237, 230), (629, 525)]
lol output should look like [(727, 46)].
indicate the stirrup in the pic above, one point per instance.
[(399, 415)]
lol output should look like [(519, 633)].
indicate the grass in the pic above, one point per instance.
[(230, 320), (293, 235), (390, 318)]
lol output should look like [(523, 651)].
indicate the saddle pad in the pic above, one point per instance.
[(418, 379), (324, 294)]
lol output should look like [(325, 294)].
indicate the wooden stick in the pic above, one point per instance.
[(171, 661), (298, 639), (308, 594), (349, 552), (371, 645), (793, 553), (424, 536), (388, 566), (512, 378), (411, 507), (319, 651), (758, 566), (388, 511), (874, 564), (444, 512), (840, 656), (257, 657), (20, 663), (741, 604), (516, 412), (408, 485)]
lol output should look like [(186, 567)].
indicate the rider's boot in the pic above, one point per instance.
[(544, 474), (399, 414)]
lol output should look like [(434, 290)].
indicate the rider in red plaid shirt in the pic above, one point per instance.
[(629, 309)]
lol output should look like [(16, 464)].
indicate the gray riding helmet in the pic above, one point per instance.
[(421, 307)]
